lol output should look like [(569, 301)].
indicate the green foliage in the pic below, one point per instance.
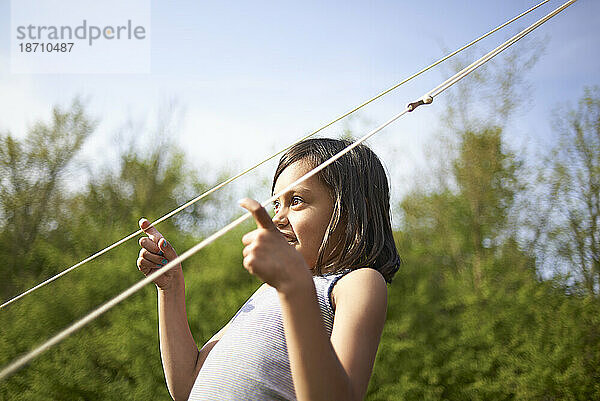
[(514, 338)]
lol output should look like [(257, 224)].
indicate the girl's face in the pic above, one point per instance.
[(302, 214)]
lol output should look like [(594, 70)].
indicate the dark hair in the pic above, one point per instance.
[(361, 206)]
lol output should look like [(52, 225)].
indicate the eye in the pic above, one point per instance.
[(276, 205), (296, 200)]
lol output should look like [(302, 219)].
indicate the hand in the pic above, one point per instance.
[(268, 255), (155, 253)]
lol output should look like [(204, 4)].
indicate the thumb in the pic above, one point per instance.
[(151, 231), (262, 218)]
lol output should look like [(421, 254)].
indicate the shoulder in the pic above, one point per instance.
[(363, 285), (360, 313)]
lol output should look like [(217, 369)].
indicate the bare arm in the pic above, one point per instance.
[(338, 368), (180, 356)]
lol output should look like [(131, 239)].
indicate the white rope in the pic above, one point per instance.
[(466, 71), (11, 368), (235, 177)]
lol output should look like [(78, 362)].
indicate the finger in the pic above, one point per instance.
[(148, 270), (145, 270), (262, 218), (167, 249), (249, 237), (247, 250), (248, 263), (150, 245), (141, 262), (151, 231), (156, 259)]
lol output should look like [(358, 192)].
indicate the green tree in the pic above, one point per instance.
[(573, 182), (33, 172)]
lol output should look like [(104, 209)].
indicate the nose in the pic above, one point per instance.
[(280, 219)]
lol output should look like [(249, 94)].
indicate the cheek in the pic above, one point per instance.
[(309, 236)]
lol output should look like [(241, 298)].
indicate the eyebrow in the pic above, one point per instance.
[(298, 188)]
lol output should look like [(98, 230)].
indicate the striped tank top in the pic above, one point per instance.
[(250, 361)]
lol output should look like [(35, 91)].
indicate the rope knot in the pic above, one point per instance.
[(425, 100)]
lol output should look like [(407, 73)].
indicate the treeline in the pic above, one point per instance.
[(475, 313)]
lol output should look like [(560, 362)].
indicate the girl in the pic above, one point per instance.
[(311, 331)]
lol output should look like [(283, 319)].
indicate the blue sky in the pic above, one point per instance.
[(250, 77)]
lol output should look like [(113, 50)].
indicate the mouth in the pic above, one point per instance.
[(290, 238)]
